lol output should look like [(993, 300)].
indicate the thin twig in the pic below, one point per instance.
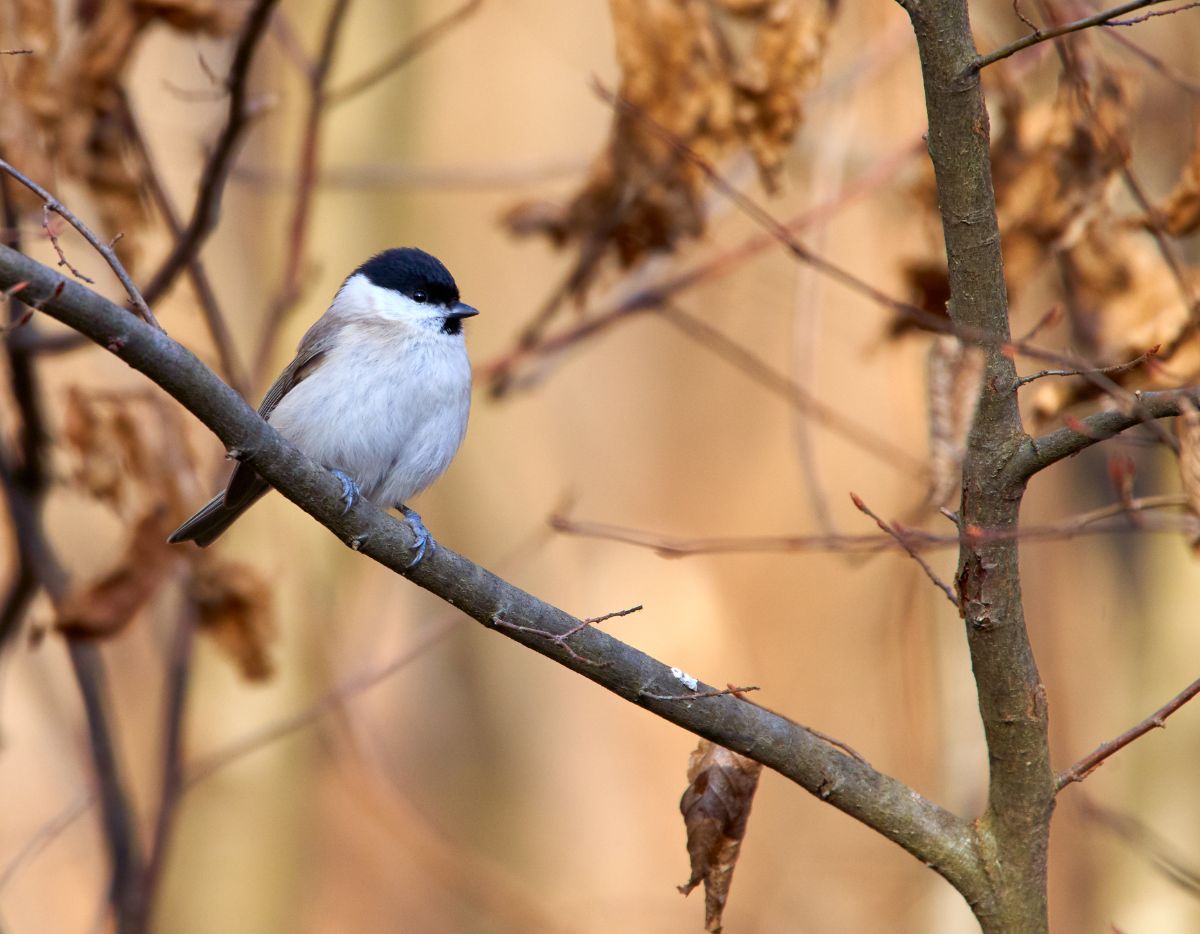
[(1153, 13), (1016, 4), (62, 257), (1052, 316), (1097, 757), (1106, 370), (306, 183), (560, 638), (673, 547), (211, 186), (46, 834), (208, 765), (700, 695), (615, 614), (172, 786), (342, 692), (1145, 842), (106, 251), (1156, 63), (120, 826), (1041, 35), (218, 328), (715, 267), (423, 40), (796, 395), (901, 535)]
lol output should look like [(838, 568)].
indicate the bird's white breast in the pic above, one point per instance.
[(387, 406)]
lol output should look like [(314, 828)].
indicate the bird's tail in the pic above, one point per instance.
[(207, 525)]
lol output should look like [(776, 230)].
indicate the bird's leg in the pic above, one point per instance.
[(350, 491), (424, 539)]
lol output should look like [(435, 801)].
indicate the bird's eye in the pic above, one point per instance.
[(420, 296)]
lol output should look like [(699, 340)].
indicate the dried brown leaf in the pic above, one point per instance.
[(713, 77), (954, 373), (127, 450), (234, 604), (62, 115), (98, 469), (716, 808), (29, 97), (1055, 165), (105, 606)]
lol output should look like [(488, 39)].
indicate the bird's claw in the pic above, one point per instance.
[(350, 491), (424, 539)]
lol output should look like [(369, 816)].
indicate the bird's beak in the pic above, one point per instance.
[(462, 310)]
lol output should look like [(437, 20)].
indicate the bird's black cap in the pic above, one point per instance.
[(408, 270)]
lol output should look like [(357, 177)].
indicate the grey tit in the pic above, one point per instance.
[(379, 392)]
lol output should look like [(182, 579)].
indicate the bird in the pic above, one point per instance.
[(378, 393)]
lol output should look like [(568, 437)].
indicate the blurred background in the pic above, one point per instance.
[(392, 766)]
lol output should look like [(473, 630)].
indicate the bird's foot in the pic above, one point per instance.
[(351, 494), (424, 539)]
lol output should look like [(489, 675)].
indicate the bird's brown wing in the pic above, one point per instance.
[(245, 486)]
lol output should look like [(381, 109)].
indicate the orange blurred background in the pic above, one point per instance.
[(479, 787)]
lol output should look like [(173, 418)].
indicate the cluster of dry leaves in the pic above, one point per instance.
[(62, 108), (1064, 191), (63, 116), (128, 451), (717, 77)]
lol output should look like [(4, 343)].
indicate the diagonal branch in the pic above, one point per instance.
[(940, 839), (902, 538), (1036, 454), (306, 183), (423, 40), (51, 203), (218, 327), (1097, 757), (207, 208), (1041, 35)]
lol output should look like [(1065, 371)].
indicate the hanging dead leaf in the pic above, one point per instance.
[(716, 808), (954, 373), (106, 606), (713, 77), (234, 604)]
